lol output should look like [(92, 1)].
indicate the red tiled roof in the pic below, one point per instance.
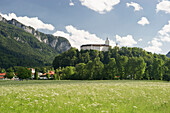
[(51, 73), (95, 45), (1, 77), (2, 74)]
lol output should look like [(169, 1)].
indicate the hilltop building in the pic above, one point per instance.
[(99, 47)]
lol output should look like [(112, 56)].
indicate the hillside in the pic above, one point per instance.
[(21, 48), (168, 54), (74, 56), (124, 63)]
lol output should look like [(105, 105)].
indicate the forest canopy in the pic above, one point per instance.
[(122, 63)]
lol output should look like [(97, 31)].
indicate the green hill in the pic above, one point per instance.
[(21, 48), (121, 63)]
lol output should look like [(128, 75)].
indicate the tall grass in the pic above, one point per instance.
[(84, 96)]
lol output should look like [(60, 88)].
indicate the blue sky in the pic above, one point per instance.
[(132, 23)]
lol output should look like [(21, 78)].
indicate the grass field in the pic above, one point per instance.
[(84, 96)]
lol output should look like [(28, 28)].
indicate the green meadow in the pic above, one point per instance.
[(111, 96)]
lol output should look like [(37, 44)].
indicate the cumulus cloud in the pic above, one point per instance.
[(126, 41), (156, 43), (164, 5), (136, 6), (164, 33), (71, 3), (143, 21), (100, 6), (140, 40), (155, 46), (79, 37), (33, 22)]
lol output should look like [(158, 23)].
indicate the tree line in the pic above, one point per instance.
[(117, 63)]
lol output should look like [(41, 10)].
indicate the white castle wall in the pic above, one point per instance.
[(99, 48)]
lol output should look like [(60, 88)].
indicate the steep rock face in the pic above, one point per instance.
[(60, 44), (3, 19), (53, 43)]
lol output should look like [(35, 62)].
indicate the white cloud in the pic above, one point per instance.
[(79, 37), (71, 3), (126, 41), (156, 43), (155, 46), (143, 21), (140, 40), (136, 6), (164, 5), (164, 33), (33, 22), (100, 6)]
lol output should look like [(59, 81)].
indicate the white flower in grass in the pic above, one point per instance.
[(135, 107), (36, 101)]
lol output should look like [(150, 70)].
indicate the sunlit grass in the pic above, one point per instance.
[(85, 96)]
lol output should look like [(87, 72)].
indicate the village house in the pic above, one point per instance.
[(32, 72), (44, 76), (2, 76)]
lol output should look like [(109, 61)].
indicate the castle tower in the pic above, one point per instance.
[(107, 42), (117, 45)]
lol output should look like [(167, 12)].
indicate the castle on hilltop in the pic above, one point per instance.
[(99, 47)]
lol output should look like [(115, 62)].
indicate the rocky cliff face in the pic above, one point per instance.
[(58, 43), (3, 19)]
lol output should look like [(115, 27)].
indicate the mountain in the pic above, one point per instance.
[(22, 45), (168, 54)]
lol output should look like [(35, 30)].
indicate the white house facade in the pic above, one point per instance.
[(99, 47)]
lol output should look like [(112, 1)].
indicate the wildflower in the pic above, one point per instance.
[(135, 107)]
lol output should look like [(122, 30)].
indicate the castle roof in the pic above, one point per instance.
[(95, 45)]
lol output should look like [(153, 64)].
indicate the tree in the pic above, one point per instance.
[(36, 75), (157, 71), (148, 73), (89, 70), (132, 67), (141, 65), (97, 69), (110, 69), (23, 73), (80, 71), (48, 76), (2, 70), (166, 75), (59, 73), (55, 76), (69, 71), (10, 73), (44, 70), (86, 57), (136, 67), (121, 64)]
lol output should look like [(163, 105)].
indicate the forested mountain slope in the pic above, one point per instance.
[(21, 48)]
